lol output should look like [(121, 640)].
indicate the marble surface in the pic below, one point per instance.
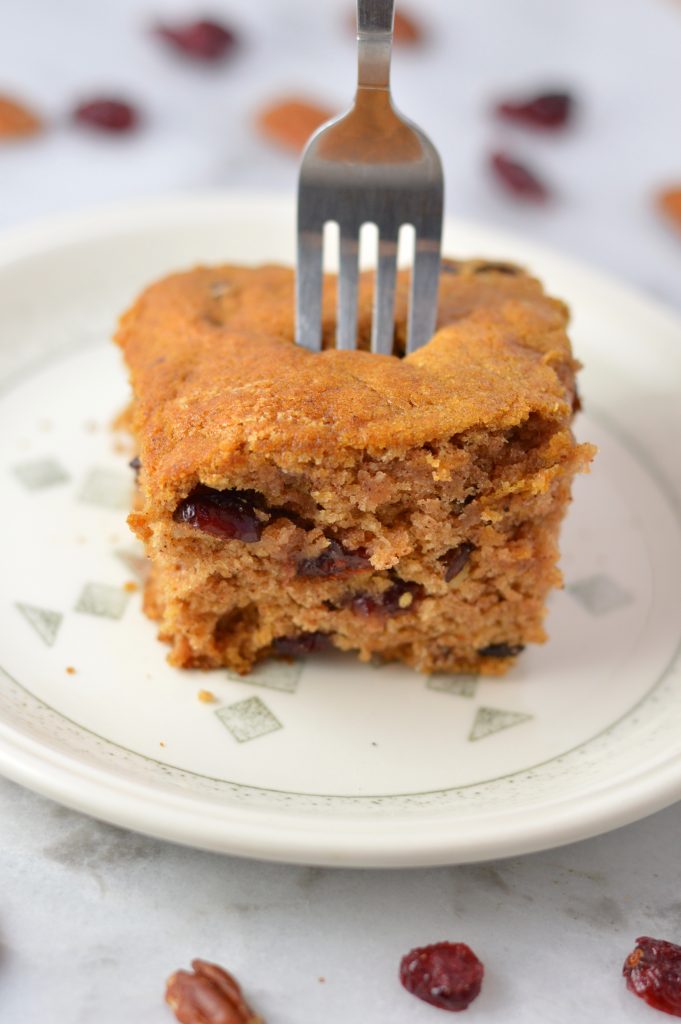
[(92, 918)]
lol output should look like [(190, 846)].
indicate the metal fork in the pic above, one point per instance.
[(369, 166)]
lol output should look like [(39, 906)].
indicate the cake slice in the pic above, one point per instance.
[(292, 501)]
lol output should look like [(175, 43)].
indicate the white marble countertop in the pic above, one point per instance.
[(92, 919)]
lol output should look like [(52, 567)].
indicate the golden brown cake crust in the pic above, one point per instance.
[(218, 379)]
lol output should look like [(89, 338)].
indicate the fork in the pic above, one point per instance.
[(369, 165)]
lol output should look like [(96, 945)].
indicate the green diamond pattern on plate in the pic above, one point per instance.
[(37, 474), (275, 675), (134, 560), (599, 594), (44, 621), (488, 721), (108, 488), (103, 600), (248, 719), (459, 686)]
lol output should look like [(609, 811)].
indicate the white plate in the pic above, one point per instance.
[(330, 762)]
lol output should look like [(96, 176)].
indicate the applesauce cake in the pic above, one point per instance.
[(292, 502)]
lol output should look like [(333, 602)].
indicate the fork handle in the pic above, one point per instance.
[(374, 43)]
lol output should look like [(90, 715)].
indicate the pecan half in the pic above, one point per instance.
[(208, 995)]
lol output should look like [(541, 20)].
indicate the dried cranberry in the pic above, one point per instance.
[(546, 110), (366, 604), (501, 650), (400, 597), (301, 643), (446, 974), (288, 513), (518, 178), (107, 115), (200, 40), (454, 560), (228, 514), (334, 560), (653, 972)]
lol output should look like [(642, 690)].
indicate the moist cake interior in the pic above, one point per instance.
[(406, 509)]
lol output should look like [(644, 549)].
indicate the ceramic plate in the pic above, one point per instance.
[(329, 761)]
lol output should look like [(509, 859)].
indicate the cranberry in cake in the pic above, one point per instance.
[(294, 502)]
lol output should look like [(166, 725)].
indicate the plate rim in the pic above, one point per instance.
[(138, 805)]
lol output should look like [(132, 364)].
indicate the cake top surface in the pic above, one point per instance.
[(217, 378)]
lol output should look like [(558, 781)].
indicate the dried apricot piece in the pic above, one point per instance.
[(406, 29), (291, 122), (17, 120), (669, 202)]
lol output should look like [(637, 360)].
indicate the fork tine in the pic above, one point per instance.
[(346, 330), (423, 293), (309, 290), (382, 327)]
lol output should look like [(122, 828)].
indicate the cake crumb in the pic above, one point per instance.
[(439, 471), (130, 586), (322, 980), (161, 744), (70, 670), (206, 697)]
